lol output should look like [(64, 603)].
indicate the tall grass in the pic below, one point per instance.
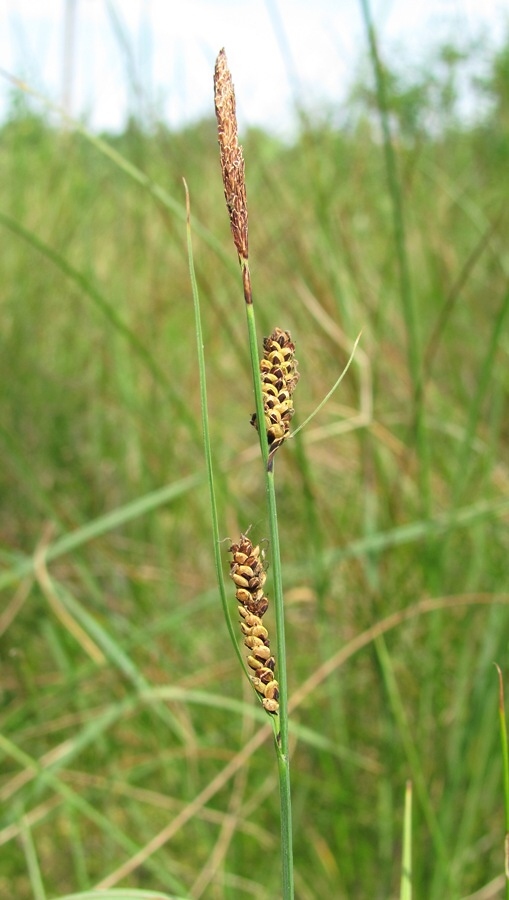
[(132, 752)]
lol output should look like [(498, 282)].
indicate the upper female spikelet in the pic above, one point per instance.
[(278, 370)]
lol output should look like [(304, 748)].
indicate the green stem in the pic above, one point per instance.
[(414, 355), (406, 856), (282, 737), (411, 751), (255, 360), (505, 769), (279, 612), (282, 741)]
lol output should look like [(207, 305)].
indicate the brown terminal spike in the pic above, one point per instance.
[(232, 160)]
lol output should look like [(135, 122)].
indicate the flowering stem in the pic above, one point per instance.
[(278, 414), (281, 738), (255, 361)]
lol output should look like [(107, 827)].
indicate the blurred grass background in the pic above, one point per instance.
[(121, 696)]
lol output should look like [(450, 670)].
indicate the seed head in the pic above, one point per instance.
[(279, 375), (248, 573), (232, 161)]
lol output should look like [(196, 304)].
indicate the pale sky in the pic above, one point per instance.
[(163, 51)]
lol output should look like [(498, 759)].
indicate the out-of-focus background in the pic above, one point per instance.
[(103, 60), (377, 177)]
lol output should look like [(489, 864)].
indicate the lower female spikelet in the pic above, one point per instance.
[(278, 371), (248, 573)]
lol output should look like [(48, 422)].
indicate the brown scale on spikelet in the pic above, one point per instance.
[(279, 375), (248, 573)]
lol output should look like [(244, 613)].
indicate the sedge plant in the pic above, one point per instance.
[(453, 779), (274, 380)]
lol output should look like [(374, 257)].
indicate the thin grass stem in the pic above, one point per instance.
[(206, 435), (282, 741), (411, 750), (505, 769), (47, 778), (329, 393), (406, 856), (32, 861), (255, 360), (414, 354), (124, 165), (281, 738)]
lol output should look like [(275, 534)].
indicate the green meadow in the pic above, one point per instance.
[(133, 750)]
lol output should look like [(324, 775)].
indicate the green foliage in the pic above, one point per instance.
[(122, 709)]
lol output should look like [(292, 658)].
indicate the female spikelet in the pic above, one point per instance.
[(248, 573), (278, 371)]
